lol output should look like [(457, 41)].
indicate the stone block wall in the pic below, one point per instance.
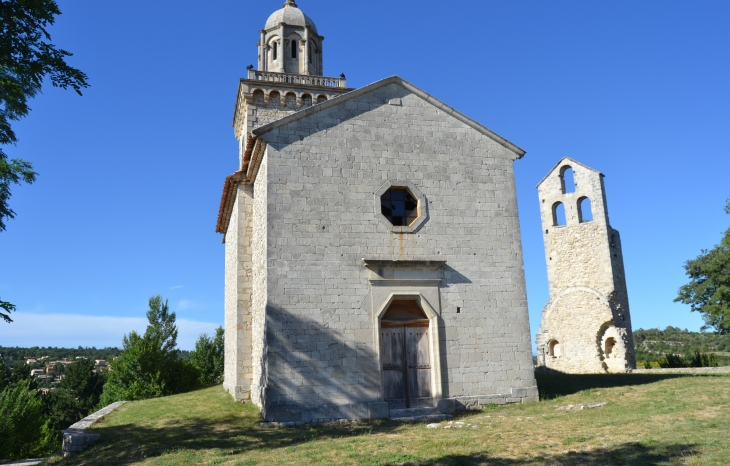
[(260, 257), (318, 356), (238, 289)]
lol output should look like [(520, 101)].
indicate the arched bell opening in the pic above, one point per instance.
[(405, 354)]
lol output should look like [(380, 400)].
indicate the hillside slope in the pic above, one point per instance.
[(652, 344), (646, 420)]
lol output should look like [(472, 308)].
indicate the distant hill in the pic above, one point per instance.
[(13, 354), (652, 344)]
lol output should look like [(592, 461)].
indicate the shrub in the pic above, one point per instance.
[(672, 361), (208, 357), (150, 365), (77, 397), (698, 359), (24, 430)]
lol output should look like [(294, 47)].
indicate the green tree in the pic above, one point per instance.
[(708, 291), (4, 375), (24, 430), (5, 307), (84, 384), (208, 357), (150, 365), (27, 57), (21, 371)]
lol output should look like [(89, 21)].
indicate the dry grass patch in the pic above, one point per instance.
[(647, 420)]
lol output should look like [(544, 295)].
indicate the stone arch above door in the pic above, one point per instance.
[(418, 281)]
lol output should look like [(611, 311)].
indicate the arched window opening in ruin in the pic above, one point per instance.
[(322, 98), (306, 100), (294, 49), (585, 212), (610, 350), (274, 99), (567, 180), (559, 214), (554, 349), (276, 50), (613, 240)]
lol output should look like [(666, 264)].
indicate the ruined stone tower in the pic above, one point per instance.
[(586, 325)]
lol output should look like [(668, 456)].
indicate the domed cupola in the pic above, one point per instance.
[(290, 15), (290, 43)]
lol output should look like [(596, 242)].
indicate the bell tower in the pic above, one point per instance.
[(586, 325), (290, 43), (289, 79), (289, 75)]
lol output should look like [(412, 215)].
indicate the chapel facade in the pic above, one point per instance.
[(586, 325), (373, 263)]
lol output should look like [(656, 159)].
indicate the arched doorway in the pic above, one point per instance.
[(406, 355)]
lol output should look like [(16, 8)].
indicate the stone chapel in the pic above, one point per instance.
[(373, 259)]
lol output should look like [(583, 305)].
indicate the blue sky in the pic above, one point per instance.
[(131, 173)]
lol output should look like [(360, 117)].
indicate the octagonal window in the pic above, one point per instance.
[(399, 206)]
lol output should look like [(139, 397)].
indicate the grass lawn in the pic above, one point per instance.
[(647, 420)]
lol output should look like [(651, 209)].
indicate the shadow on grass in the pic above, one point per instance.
[(554, 385), (628, 454), (129, 443)]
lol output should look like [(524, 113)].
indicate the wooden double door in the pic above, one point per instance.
[(406, 357)]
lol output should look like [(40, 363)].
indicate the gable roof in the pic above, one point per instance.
[(572, 162), (377, 85), (255, 146)]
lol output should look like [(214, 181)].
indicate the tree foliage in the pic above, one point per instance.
[(150, 365), (84, 384), (21, 371), (208, 357), (77, 397), (5, 307), (24, 430), (708, 291), (4, 375), (12, 171), (27, 57)]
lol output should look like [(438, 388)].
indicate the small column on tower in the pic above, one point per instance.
[(282, 50), (262, 51)]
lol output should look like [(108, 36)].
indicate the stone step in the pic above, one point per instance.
[(424, 418), (410, 412)]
